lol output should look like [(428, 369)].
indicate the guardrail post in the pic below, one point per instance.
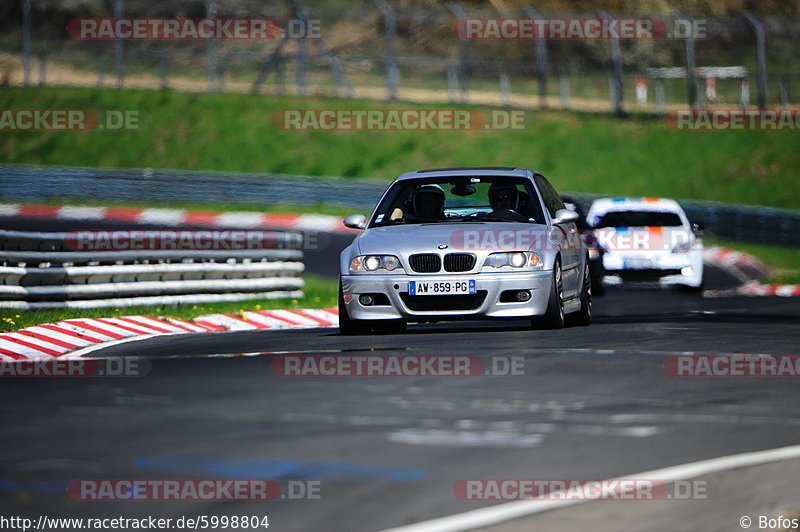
[(119, 45), (541, 61), (26, 42), (463, 53), (761, 57), (390, 28)]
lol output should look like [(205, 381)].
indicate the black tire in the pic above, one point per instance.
[(554, 316), (583, 317), (389, 326), (347, 326)]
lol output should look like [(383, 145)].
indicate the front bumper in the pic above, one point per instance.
[(395, 287), (664, 268)]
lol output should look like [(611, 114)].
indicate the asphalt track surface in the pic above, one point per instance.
[(592, 402)]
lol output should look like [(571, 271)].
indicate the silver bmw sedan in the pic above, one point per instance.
[(465, 243)]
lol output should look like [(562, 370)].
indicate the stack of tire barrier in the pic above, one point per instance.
[(46, 270)]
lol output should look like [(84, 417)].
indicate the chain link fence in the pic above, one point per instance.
[(412, 51)]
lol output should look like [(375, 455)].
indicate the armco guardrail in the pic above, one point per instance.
[(38, 183), (37, 270)]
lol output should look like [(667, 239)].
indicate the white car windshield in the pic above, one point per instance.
[(639, 219)]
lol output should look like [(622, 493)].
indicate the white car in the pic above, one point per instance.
[(647, 240)]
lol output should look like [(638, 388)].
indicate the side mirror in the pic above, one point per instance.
[(698, 228), (355, 221), (565, 216)]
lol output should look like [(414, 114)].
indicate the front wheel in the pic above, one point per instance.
[(347, 326), (554, 316)]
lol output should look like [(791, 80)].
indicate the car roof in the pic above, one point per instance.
[(603, 205), (474, 171)]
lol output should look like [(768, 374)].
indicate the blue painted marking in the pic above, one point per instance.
[(278, 469), (49, 487)]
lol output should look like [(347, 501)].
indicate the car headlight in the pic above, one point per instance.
[(683, 247), (371, 263), (515, 259)]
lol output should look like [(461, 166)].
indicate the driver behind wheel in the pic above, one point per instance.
[(428, 203), (505, 201)]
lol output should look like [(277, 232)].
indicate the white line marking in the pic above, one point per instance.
[(500, 513)]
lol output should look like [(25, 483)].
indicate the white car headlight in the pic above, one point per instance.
[(371, 263), (682, 247), (515, 259)]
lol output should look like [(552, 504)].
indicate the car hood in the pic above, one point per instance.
[(466, 236), (642, 239)]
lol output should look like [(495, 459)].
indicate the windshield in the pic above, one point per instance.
[(462, 199), (639, 219)]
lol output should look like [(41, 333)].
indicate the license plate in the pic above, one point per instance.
[(441, 288), (637, 264)]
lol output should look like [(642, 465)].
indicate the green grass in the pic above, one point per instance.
[(318, 293), (783, 262), (580, 152)]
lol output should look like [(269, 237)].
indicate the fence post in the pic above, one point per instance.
[(42, 67), (119, 45), (463, 53), (761, 57), (784, 93), (211, 12), (660, 97), (744, 93), (302, 51), (162, 70), (26, 42), (563, 83), (390, 27), (541, 60), (616, 70), (452, 84), (101, 70), (505, 89), (701, 94), (691, 81)]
